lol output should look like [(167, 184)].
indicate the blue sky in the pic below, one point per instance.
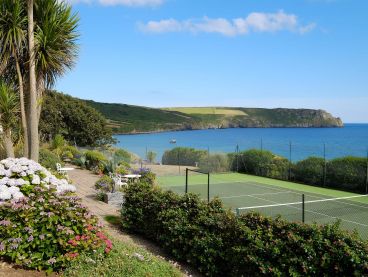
[(249, 53)]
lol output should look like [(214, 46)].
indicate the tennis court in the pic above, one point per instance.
[(244, 193)]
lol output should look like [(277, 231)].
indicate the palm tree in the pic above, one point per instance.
[(13, 22), (55, 36), (33, 137), (9, 109)]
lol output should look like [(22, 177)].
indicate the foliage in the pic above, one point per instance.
[(9, 106), (132, 119), (48, 159), (122, 169), (76, 121), (124, 260), (183, 156), (95, 159), (261, 163), (121, 155), (42, 225), (58, 142), (309, 171), (218, 243), (151, 156), (46, 230), (105, 184), (147, 176), (348, 173), (214, 163)]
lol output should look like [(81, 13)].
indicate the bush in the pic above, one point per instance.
[(121, 155), (95, 159), (183, 156), (147, 176), (348, 173), (218, 243), (48, 159), (261, 163), (105, 184), (214, 163), (43, 226), (309, 171)]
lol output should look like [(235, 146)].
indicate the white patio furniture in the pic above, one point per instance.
[(118, 180), (132, 177), (63, 170)]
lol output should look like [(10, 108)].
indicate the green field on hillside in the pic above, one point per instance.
[(207, 110)]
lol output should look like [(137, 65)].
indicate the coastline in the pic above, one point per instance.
[(252, 127)]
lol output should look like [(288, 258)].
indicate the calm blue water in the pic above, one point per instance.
[(350, 140)]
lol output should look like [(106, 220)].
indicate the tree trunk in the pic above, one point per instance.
[(40, 92), (8, 144), (22, 110), (33, 116)]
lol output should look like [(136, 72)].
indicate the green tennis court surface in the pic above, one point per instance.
[(245, 193)]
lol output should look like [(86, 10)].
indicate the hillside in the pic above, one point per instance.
[(136, 119)]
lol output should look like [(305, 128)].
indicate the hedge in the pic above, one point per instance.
[(346, 173), (183, 156), (217, 243)]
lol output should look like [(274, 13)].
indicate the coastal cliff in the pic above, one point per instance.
[(128, 119)]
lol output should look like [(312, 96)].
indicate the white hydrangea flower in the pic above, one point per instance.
[(10, 187), (5, 195), (4, 181), (13, 190), (36, 180)]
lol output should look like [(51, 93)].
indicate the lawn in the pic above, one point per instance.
[(243, 193)]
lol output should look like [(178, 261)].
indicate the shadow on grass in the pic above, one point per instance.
[(113, 220)]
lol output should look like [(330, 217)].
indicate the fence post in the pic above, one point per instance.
[(289, 160), (237, 158), (303, 208), (324, 165), (366, 179), (186, 180), (208, 188)]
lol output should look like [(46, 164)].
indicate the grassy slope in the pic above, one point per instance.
[(134, 119), (122, 261)]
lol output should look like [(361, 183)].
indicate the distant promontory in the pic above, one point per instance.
[(129, 119)]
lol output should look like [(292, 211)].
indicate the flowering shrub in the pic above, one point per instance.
[(105, 184), (147, 176), (42, 224), (218, 243), (18, 177)]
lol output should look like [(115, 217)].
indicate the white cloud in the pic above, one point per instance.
[(254, 22), (131, 3)]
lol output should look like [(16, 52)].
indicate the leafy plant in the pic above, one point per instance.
[(48, 159), (105, 184), (217, 243)]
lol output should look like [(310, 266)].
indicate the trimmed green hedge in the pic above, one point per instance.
[(218, 243), (346, 173), (183, 156)]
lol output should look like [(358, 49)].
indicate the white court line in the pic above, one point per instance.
[(259, 194), (300, 193), (288, 204)]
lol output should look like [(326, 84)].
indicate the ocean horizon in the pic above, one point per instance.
[(350, 140)]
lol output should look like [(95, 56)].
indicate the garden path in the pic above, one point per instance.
[(84, 180)]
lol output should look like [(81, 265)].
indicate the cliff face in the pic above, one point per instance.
[(135, 119)]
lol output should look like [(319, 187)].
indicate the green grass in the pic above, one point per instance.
[(121, 261), (241, 190), (207, 110)]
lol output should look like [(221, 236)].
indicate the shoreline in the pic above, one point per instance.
[(253, 127)]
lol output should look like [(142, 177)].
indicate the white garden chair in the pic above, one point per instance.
[(63, 170)]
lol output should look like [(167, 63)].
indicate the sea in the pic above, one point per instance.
[(294, 143)]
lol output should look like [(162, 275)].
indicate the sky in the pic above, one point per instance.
[(239, 53)]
